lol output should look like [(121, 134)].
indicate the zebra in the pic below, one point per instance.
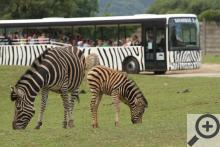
[(103, 80), (59, 69), (92, 60)]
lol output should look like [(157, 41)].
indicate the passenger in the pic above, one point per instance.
[(73, 42), (32, 39), (15, 37), (80, 43), (121, 42), (128, 42), (162, 45), (22, 40), (135, 41), (99, 43), (91, 43), (86, 43), (110, 42), (105, 43), (41, 39)]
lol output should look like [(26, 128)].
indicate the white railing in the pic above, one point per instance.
[(59, 43), (30, 41)]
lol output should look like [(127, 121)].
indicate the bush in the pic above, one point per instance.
[(210, 15)]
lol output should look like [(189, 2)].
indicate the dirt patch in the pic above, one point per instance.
[(206, 70)]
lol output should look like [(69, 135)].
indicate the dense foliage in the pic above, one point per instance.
[(123, 7), (16, 9), (208, 9), (210, 15)]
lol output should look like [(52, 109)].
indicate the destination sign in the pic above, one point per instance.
[(184, 20)]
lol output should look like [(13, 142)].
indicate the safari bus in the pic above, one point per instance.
[(143, 42)]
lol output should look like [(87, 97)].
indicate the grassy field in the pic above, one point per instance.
[(164, 123), (211, 59)]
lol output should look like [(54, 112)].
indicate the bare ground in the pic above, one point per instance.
[(206, 70)]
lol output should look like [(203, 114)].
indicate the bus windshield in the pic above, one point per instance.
[(183, 33)]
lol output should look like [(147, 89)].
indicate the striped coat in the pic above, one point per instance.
[(58, 69), (103, 80)]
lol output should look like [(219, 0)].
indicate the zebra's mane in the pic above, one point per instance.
[(34, 65), (136, 86), (39, 59)]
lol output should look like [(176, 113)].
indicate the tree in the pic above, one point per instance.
[(184, 6), (210, 15), (17, 9)]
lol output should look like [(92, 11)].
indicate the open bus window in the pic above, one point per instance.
[(149, 39), (183, 33), (129, 35), (160, 39), (102, 35), (106, 35)]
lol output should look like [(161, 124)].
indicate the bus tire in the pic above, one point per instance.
[(131, 65), (159, 72)]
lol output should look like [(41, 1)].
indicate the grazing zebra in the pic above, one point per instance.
[(103, 80), (92, 60), (59, 69)]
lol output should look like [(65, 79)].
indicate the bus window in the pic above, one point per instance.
[(33, 35), (59, 33), (183, 33), (160, 39), (2, 36), (15, 35), (1, 32), (106, 35), (130, 35), (149, 39), (82, 36)]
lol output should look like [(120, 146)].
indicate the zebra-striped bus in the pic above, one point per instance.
[(144, 42)]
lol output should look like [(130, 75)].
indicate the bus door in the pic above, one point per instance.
[(155, 47)]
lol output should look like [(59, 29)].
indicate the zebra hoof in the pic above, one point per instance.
[(71, 124), (117, 124), (82, 91), (39, 124), (95, 125), (64, 124)]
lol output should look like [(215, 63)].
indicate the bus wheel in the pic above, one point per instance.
[(131, 65), (159, 72)]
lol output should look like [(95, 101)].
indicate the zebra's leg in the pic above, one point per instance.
[(44, 97), (96, 98), (65, 99), (116, 102), (73, 97)]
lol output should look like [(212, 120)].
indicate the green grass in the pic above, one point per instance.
[(164, 123), (211, 59)]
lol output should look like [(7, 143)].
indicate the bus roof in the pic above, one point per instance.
[(88, 20)]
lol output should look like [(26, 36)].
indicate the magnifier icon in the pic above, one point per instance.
[(206, 126)]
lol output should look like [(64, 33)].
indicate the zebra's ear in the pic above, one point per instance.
[(145, 103), (138, 102), (11, 88), (141, 102), (13, 94), (20, 93), (125, 74)]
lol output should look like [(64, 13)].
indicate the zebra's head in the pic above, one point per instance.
[(138, 110), (24, 110), (135, 99)]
